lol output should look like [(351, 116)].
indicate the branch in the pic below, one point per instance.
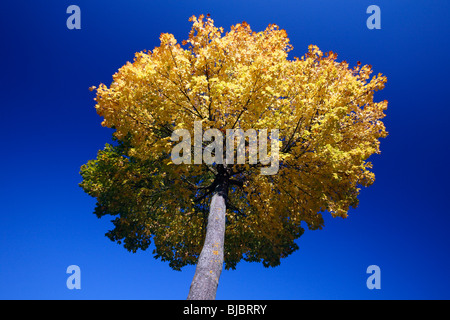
[(246, 104), (288, 145), (212, 170), (194, 185), (210, 189), (236, 183), (234, 208)]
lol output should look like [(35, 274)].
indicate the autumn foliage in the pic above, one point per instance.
[(329, 125)]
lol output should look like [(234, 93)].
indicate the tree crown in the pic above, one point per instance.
[(328, 122)]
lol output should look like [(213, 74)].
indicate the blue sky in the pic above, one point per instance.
[(49, 128)]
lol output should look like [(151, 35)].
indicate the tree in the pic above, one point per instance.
[(219, 214)]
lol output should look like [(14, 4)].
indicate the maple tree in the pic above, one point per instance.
[(220, 214)]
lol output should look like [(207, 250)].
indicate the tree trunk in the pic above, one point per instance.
[(210, 262)]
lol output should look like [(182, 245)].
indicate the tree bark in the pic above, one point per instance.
[(210, 262)]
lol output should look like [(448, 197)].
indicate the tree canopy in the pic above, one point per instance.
[(329, 125)]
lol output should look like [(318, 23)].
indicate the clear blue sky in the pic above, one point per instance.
[(49, 128)]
